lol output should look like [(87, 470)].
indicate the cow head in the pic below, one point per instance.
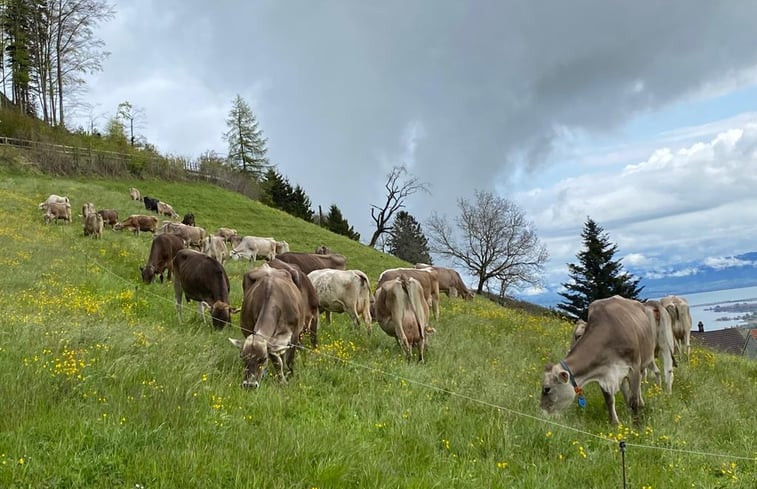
[(220, 313), (254, 354), (148, 274), (556, 390)]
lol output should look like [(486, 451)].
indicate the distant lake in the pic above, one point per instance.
[(702, 303)]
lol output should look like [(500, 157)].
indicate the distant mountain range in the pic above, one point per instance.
[(685, 278)]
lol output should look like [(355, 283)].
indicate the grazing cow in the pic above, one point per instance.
[(56, 211), (53, 199), (271, 323), (402, 311), (426, 276), (87, 209), (282, 247), (228, 235), (137, 223), (110, 216), (93, 225), (203, 279), (678, 308), (308, 295), (343, 291), (665, 343), (189, 219), (323, 250), (162, 252), (166, 210), (135, 195), (450, 281), (618, 342), (251, 247), (150, 203), (215, 246), (311, 261), (192, 235)]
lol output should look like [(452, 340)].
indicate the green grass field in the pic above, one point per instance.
[(101, 387)]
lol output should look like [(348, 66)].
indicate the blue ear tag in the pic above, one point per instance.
[(582, 401)]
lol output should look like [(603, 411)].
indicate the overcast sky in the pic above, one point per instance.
[(642, 115)]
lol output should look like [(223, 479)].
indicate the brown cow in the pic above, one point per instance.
[(201, 278), (309, 298), (402, 311), (192, 235), (427, 277), (162, 252), (137, 223), (618, 342), (450, 282), (110, 216), (307, 262), (271, 321), (57, 211)]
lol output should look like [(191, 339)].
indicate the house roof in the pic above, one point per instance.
[(729, 340)]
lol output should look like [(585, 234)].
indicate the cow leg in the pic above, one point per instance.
[(328, 316), (354, 316), (314, 323), (201, 310), (177, 294), (278, 364), (610, 403)]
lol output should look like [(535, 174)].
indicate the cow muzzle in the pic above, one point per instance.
[(250, 384)]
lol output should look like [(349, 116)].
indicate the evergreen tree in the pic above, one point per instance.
[(301, 204), (336, 223), (247, 146), (597, 275), (407, 241)]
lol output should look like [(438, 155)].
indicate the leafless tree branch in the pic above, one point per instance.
[(400, 185)]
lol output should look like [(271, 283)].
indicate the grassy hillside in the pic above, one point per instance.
[(102, 387)]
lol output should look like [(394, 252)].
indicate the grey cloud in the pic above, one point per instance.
[(489, 81)]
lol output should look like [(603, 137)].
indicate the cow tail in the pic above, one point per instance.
[(365, 297)]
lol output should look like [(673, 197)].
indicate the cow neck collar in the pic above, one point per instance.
[(578, 390)]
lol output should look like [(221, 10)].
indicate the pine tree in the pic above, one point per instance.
[(301, 204), (336, 223), (597, 275), (407, 240), (247, 146)]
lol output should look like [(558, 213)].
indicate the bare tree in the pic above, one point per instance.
[(75, 49), (399, 186), (495, 241)]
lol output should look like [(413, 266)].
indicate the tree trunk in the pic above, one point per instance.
[(481, 282)]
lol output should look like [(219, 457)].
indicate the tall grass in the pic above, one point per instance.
[(102, 387)]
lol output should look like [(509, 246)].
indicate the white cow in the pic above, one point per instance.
[(343, 291), (665, 342), (282, 247), (680, 315), (53, 199), (165, 209), (215, 246), (251, 247)]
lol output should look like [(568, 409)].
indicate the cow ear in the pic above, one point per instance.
[(563, 376), (238, 343)]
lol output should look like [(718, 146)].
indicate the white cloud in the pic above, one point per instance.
[(678, 205), (720, 263)]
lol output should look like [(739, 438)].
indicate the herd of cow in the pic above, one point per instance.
[(282, 298), (615, 347)]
